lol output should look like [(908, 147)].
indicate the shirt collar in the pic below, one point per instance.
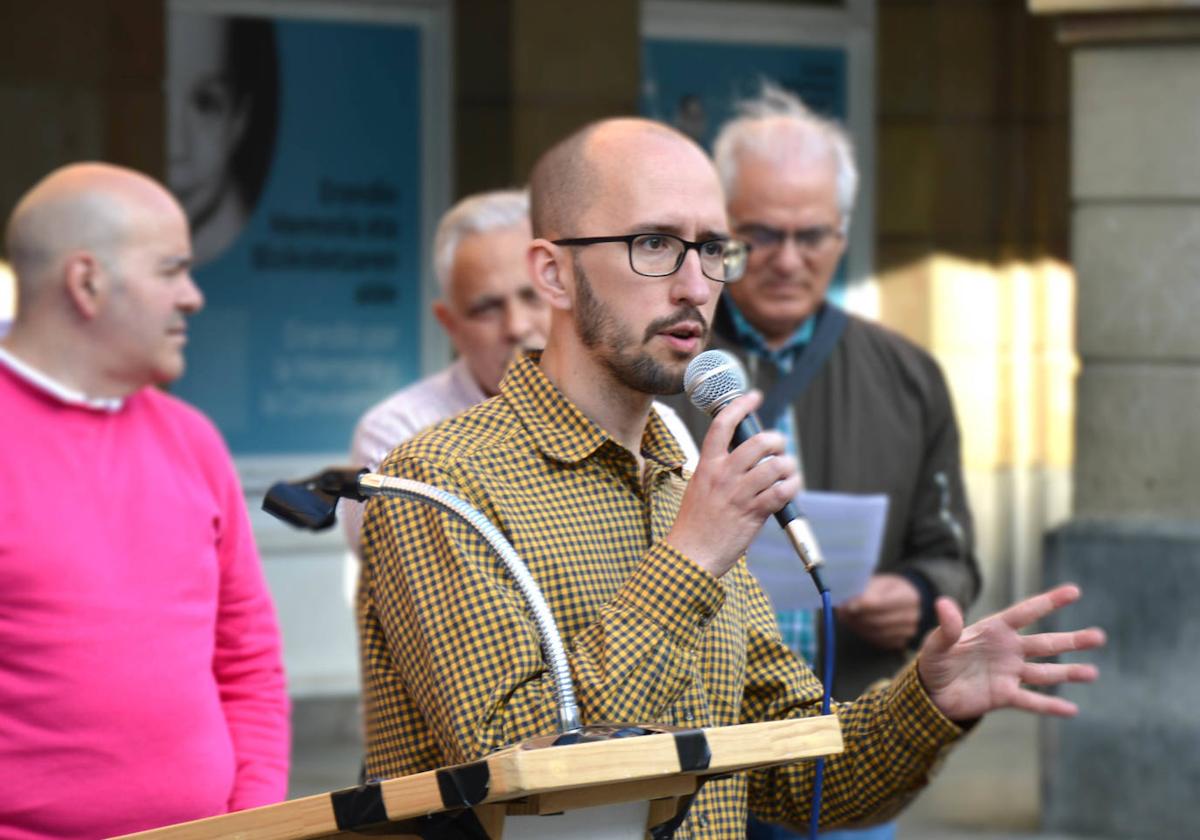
[(752, 339), (560, 430), (49, 385), (464, 380)]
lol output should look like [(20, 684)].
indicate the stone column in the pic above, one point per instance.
[(529, 72), (1129, 765), (79, 80)]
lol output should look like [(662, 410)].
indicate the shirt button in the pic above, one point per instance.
[(688, 716), (705, 619)]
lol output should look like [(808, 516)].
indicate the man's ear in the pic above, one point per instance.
[(444, 315), (550, 273), (85, 283), (843, 244)]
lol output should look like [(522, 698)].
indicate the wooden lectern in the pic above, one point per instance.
[(614, 781)]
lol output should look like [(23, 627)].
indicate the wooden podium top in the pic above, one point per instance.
[(533, 777)]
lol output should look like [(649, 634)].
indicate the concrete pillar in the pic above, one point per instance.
[(1129, 765), (79, 80), (528, 72)]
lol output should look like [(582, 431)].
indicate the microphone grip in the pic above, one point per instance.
[(789, 516), (745, 430)]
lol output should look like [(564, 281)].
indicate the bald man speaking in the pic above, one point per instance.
[(639, 559), (140, 663)]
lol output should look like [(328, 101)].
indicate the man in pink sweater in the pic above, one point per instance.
[(141, 681)]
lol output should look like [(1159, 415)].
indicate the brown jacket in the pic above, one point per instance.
[(877, 418)]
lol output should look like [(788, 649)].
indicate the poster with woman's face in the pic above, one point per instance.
[(222, 83), (294, 146)]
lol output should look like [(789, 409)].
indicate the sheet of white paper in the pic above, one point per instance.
[(849, 530)]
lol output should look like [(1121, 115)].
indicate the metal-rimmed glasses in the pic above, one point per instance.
[(765, 238), (661, 254)]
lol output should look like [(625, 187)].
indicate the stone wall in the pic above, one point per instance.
[(1127, 766), (1136, 183)]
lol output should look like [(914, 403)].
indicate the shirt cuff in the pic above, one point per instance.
[(928, 618), (672, 591), (915, 716)]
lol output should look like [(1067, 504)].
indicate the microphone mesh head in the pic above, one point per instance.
[(714, 378)]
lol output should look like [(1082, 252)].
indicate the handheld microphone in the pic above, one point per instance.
[(712, 381)]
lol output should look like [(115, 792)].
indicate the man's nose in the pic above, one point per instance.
[(789, 255), (192, 299), (519, 320), (688, 284)]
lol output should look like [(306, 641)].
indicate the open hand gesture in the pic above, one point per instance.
[(971, 671)]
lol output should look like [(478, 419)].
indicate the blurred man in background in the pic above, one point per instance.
[(489, 310), (864, 410), (487, 307), (140, 656)]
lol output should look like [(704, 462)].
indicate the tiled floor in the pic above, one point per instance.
[(988, 789)]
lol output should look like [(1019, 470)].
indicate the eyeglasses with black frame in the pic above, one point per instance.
[(661, 254)]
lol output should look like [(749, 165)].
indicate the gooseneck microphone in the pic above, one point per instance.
[(712, 381), (311, 503)]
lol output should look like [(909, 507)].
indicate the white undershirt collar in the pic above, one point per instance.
[(56, 389)]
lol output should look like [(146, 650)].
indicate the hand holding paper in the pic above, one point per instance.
[(887, 614)]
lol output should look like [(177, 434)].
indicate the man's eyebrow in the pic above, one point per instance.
[(656, 227), (180, 263), (678, 230), (484, 301)]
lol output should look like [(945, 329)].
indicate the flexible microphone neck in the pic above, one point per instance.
[(310, 503)]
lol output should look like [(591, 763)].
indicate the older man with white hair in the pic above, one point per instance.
[(864, 410), (489, 309)]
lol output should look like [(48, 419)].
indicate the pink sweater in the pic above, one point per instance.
[(141, 682)]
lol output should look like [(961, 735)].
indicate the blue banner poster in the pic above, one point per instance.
[(294, 146), (695, 84)]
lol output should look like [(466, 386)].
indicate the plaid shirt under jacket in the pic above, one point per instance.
[(452, 666)]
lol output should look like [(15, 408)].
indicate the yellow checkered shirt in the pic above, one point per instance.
[(452, 666)]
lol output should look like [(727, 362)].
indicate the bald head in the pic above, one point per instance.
[(642, 194), (103, 263), (576, 170), (83, 207)]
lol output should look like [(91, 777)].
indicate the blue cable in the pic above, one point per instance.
[(819, 775)]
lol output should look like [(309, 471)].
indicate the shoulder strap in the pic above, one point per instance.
[(830, 324)]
